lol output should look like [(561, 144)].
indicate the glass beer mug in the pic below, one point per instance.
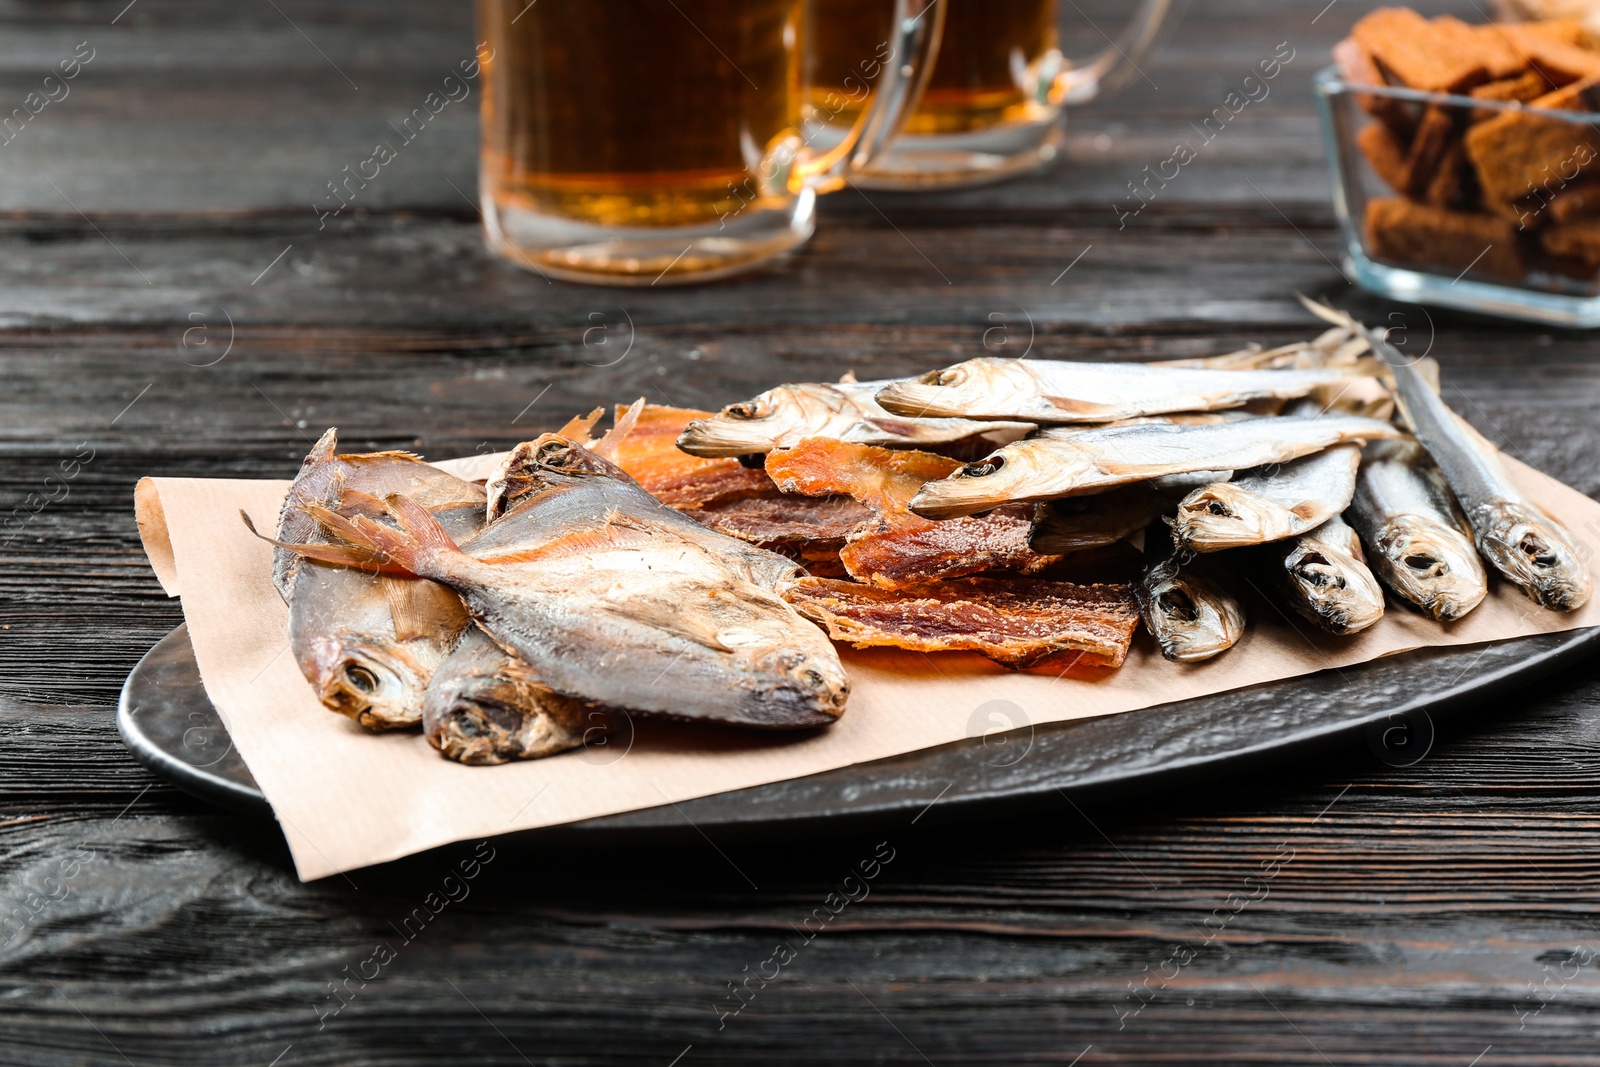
[(994, 98), (644, 142)]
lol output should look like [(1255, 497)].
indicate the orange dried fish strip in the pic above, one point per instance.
[(896, 548), (1015, 622), (648, 450)]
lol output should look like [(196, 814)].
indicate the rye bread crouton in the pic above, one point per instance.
[(1432, 238)]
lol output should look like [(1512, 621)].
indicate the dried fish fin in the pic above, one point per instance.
[(421, 609), (579, 428), (625, 418), (349, 555)]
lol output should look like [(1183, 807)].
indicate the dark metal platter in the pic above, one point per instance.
[(166, 719)]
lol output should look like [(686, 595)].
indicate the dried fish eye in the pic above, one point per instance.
[(1218, 508), (466, 724), (748, 409), (1538, 553), (983, 468), (1177, 604), (1419, 562), (553, 453), (361, 678)]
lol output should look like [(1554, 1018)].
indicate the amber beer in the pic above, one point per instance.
[(978, 82), (635, 112)]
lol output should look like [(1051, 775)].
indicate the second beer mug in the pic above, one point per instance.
[(635, 142), (994, 97)]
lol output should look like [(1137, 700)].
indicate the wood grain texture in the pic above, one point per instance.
[(1421, 915)]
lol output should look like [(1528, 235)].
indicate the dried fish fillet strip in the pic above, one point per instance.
[(896, 548), (1016, 622)]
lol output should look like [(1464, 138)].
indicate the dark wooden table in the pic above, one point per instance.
[(168, 302)]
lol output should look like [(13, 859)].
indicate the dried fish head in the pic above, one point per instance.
[(1431, 564), (1330, 583), (752, 427), (1535, 552), (970, 388), (1019, 472), (354, 660), (1226, 515), (486, 706), (1192, 618)]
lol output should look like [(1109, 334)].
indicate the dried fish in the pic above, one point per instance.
[(367, 642), (1016, 622), (1417, 538), (895, 548), (1323, 576), (1184, 605), (846, 411), (1270, 503), (1049, 466), (613, 598), (1522, 542), (1046, 391), (486, 706)]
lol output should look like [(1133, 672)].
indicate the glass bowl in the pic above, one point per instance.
[(1487, 205)]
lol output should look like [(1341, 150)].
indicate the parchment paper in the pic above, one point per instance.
[(346, 798)]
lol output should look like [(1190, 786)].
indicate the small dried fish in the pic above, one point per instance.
[(1324, 577), (1269, 504), (1186, 609), (1046, 391), (1416, 536), (895, 548), (1016, 622), (1513, 533), (486, 706), (847, 411), (1048, 466), (367, 642), (614, 599)]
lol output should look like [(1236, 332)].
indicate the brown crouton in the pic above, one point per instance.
[(1420, 235), (1385, 152), (1413, 52), (1517, 154), (1574, 240)]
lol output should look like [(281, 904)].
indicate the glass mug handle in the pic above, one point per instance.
[(913, 46), (1113, 65)]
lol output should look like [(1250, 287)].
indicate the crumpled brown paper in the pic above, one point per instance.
[(346, 798)]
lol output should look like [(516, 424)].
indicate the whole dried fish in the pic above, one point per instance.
[(1050, 466), (1018, 622), (1269, 504), (1513, 533), (616, 600), (367, 642), (1324, 577), (1415, 534), (847, 411), (895, 548), (1047, 391), (1186, 609), (486, 706)]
